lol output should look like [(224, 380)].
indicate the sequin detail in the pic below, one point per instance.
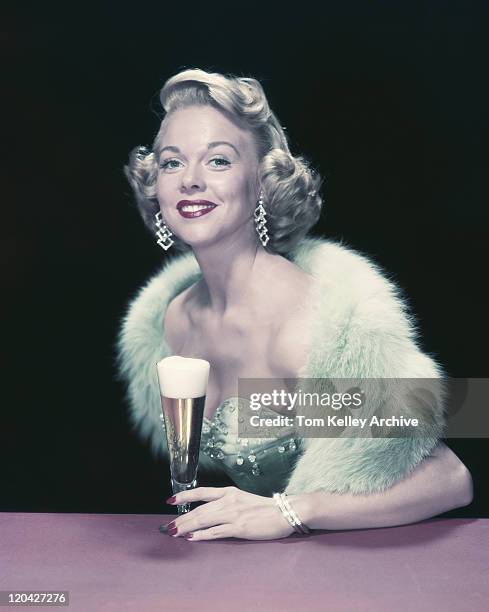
[(254, 458)]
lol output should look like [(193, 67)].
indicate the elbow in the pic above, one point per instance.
[(459, 486), (465, 487)]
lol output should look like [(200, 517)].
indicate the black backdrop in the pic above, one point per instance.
[(388, 101)]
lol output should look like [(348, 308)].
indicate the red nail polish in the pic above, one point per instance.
[(171, 500), (172, 531), (170, 525)]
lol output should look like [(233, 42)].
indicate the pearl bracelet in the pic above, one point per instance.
[(289, 514)]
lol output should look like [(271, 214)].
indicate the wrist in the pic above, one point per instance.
[(303, 505), (290, 515), (306, 506)]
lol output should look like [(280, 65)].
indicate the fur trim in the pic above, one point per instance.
[(361, 328)]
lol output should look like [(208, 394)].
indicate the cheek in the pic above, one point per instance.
[(249, 194), (158, 186), (164, 190), (238, 188)]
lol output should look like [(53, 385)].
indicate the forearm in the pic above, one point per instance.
[(438, 484)]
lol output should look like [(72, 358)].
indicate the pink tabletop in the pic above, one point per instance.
[(122, 562)]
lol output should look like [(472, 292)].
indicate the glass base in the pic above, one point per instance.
[(178, 487)]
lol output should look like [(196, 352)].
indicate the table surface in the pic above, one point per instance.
[(122, 562)]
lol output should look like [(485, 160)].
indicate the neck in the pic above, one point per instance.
[(234, 273)]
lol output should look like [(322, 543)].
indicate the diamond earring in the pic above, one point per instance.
[(163, 234), (261, 222)]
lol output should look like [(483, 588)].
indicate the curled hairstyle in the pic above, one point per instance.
[(290, 187)]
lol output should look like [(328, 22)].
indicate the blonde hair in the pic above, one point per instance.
[(290, 186)]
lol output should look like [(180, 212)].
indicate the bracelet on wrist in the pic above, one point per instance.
[(289, 514)]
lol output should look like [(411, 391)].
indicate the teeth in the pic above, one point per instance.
[(195, 207)]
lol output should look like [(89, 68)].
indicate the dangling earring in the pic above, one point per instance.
[(163, 234), (261, 222)]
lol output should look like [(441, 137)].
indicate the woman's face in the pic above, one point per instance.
[(205, 159)]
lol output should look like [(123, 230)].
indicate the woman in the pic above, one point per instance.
[(258, 299)]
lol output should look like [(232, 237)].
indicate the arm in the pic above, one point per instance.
[(438, 484)]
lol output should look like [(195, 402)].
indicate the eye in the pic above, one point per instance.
[(222, 162), (168, 164)]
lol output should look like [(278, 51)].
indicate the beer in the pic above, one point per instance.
[(183, 387)]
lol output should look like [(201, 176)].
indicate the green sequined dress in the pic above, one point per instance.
[(259, 465)]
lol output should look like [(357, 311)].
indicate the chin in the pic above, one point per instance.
[(198, 239)]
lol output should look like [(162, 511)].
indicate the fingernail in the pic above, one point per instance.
[(189, 536), (171, 500), (164, 528), (172, 531)]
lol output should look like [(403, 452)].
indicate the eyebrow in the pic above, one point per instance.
[(211, 145)]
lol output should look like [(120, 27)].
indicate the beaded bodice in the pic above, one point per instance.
[(258, 465)]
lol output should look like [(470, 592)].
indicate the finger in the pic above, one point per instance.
[(198, 494), (213, 533), (208, 515)]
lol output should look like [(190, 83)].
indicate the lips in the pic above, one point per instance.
[(195, 208)]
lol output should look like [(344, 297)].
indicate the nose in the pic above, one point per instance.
[(191, 178)]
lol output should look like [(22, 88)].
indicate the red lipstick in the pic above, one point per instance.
[(189, 210)]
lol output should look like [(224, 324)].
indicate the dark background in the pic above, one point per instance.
[(387, 99)]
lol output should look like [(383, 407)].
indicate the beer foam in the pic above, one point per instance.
[(183, 377)]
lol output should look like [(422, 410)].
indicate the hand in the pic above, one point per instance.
[(229, 513)]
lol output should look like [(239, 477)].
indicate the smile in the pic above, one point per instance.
[(195, 210)]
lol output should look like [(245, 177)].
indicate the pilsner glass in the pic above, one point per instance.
[(183, 387)]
